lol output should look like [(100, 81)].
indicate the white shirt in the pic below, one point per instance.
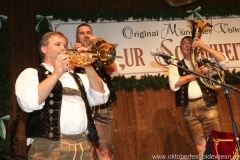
[(117, 72), (73, 118), (194, 90)]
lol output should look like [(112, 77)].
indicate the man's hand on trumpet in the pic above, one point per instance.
[(80, 48), (61, 64), (85, 44)]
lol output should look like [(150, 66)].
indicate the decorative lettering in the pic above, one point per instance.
[(172, 29), (135, 55), (168, 29), (127, 32), (225, 28)]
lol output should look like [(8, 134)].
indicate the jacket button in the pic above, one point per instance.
[(51, 102), (50, 135), (51, 95), (50, 111)]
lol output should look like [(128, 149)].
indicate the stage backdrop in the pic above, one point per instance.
[(136, 39)]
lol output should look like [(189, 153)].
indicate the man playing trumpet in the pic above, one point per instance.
[(103, 115), (57, 122)]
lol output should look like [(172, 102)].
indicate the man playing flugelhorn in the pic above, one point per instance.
[(103, 115), (57, 123)]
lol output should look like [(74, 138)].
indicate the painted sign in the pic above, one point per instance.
[(136, 40)]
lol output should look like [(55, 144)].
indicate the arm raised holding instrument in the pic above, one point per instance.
[(218, 56), (56, 108), (104, 111), (198, 102)]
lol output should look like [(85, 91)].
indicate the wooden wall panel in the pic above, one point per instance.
[(160, 128), (126, 144), (224, 109)]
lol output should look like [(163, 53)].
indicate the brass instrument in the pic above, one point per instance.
[(100, 51), (213, 73)]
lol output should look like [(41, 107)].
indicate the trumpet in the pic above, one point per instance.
[(101, 51)]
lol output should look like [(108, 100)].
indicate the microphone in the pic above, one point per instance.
[(204, 60), (163, 55)]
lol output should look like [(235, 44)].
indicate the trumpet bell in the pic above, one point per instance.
[(98, 42), (106, 54), (198, 27)]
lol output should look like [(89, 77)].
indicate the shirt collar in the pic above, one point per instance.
[(51, 68), (48, 67)]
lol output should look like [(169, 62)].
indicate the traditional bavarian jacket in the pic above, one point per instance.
[(67, 108), (182, 94), (45, 122)]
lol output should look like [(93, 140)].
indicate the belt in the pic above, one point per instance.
[(195, 99), (74, 136), (101, 109)]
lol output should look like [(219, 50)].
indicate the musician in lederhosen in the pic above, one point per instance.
[(198, 102), (57, 122), (102, 114)]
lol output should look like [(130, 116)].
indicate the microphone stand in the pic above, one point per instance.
[(226, 89)]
